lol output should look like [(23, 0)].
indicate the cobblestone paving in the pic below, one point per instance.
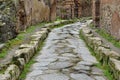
[(65, 57)]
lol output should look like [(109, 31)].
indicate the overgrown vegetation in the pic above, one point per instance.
[(105, 68), (18, 40), (107, 36)]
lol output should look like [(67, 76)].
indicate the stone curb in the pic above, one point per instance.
[(104, 54), (27, 51)]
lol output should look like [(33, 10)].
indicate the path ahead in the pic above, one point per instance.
[(65, 57)]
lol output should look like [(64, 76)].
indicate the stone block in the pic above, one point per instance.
[(25, 53), (20, 62), (35, 44), (96, 43), (57, 23), (5, 77), (12, 72), (36, 37), (86, 30), (114, 65), (114, 55), (25, 46)]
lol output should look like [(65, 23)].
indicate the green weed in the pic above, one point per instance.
[(105, 68)]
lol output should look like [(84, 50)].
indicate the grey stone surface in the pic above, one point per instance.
[(82, 67), (81, 77), (60, 65), (100, 78), (64, 57), (53, 76)]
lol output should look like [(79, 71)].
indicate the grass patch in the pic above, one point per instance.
[(106, 35), (18, 40), (105, 68), (109, 37), (106, 71)]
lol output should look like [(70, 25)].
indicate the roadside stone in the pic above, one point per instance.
[(20, 62), (114, 54), (104, 54), (2, 46), (25, 53), (35, 44), (14, 72), (5, 77), (114, 65), (25, 46)]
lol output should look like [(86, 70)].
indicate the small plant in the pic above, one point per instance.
[(106, 35), (18, 40), (105, 68)]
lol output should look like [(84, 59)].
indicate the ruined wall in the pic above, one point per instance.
[(74, 8), (7, 20), (17, 15), (109, 16), (85, 7)]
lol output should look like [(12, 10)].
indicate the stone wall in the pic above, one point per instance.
[(68, 9), (17, 15), (107, 16), (7, 20)]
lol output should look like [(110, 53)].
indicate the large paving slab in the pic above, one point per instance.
[(65, 57)]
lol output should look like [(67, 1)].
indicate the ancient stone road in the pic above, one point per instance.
[(65, 57)]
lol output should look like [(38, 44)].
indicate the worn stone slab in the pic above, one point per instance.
[(81, 77), (60, 65), (100, 78), (53, 76)]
